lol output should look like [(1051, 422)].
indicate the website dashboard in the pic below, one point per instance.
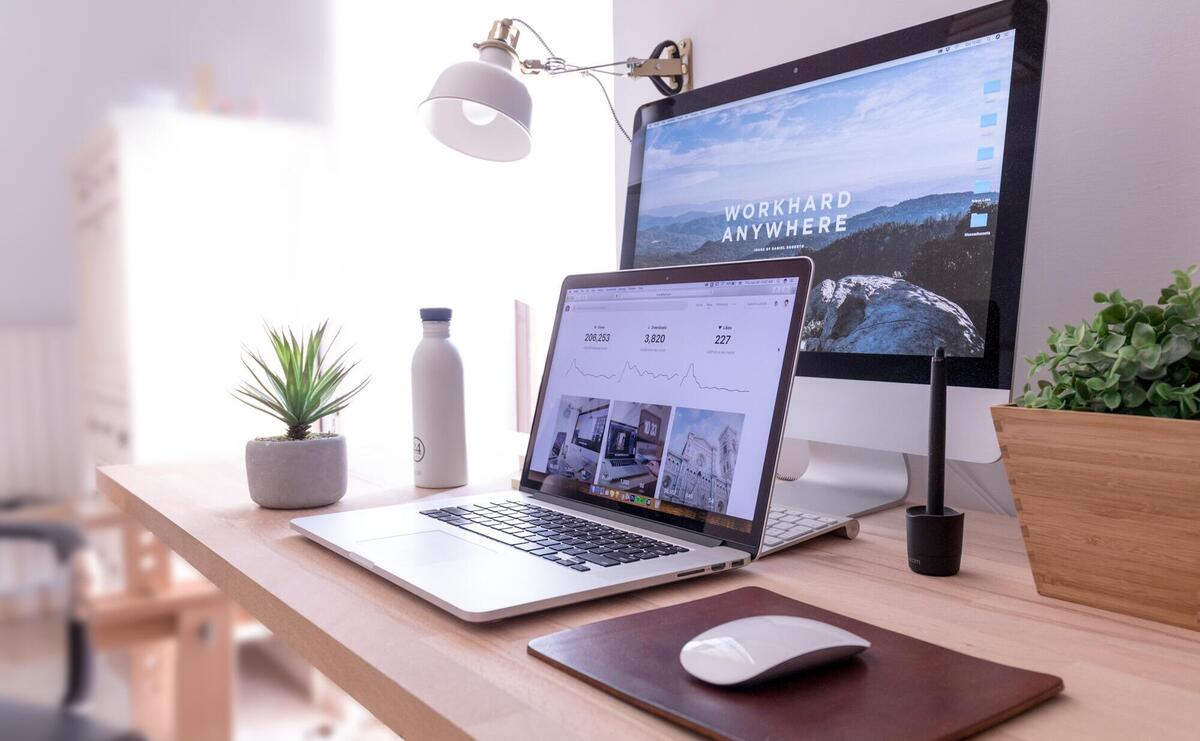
[(662, 397)]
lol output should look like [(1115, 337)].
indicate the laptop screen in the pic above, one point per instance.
[(661, 397)]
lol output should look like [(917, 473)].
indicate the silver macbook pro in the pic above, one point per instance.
[(652, 456)]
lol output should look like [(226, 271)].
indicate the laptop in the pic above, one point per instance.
[(620, 462), (699, 361)]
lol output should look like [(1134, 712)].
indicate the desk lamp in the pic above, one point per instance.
[(482, 109)]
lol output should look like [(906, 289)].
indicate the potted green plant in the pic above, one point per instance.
[(300, 468), (1103, 456)]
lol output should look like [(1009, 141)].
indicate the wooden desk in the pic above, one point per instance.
[(427, 675)]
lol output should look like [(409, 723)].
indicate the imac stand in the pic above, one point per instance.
[(854, 435), (843, 480)]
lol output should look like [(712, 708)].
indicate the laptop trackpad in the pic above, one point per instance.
[(433, 546)]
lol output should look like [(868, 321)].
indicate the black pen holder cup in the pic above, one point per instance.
[(934, 541)]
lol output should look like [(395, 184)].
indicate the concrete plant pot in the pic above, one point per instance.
[(297, 474)]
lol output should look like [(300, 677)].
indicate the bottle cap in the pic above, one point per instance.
[(435, 315)]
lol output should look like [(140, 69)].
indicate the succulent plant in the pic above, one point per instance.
[(303, 390), (1131, 358)]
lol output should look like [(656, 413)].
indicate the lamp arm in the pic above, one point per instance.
[(553, 69), (673, 71), (670, 74)]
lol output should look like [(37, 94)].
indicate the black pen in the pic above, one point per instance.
[(937, 433)]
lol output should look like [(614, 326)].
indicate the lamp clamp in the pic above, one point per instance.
[(671, 74)]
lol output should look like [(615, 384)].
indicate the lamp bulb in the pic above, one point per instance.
[(478, 114)]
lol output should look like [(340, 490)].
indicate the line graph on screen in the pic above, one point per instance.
[(633, 368)]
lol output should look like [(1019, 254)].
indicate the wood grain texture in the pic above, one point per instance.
[(1109, 507), (428, 675)]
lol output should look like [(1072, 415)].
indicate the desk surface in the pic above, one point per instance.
[(426, 674)]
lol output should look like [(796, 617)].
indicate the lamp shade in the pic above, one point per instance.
[(481, 108)]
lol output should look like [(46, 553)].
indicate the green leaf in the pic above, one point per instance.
[(1112, 399), (1183, 280), (1147, 373), (1114, 314), (1113, 342), (1149, 356), (261, 409), (1134, 396), (1143, 335), (1175, 348)]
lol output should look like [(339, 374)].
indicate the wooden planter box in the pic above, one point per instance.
[(1109, 506)]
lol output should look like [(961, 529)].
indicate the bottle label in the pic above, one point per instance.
[(418, 449)]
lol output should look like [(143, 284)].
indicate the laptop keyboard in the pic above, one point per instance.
[(557, 537)]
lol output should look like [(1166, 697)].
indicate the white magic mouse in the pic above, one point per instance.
[(756, 649)]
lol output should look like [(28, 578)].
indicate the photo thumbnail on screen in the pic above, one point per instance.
[(633, 451), (701, 459), (577, 436)]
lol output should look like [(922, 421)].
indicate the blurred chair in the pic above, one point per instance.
[(176, 628), (64, 722)]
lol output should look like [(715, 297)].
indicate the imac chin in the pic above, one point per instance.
[(846, 440)]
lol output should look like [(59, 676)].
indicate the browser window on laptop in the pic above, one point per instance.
[(662, 397)]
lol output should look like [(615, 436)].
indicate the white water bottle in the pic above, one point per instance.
[(439, 418)]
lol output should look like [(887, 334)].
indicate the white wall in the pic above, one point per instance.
[(427, 226), (64, 62), (421, 224), (1117, 165)]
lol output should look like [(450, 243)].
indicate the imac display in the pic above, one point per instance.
[(888, 176)]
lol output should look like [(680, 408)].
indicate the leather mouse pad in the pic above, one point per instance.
[(900, 688)]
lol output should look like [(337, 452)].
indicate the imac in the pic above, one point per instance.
[(901, 165)]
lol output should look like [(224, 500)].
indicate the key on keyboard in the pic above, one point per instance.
[(555, 536), (787, 526)]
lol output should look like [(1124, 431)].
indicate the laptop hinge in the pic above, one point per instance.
[(658, 527)]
